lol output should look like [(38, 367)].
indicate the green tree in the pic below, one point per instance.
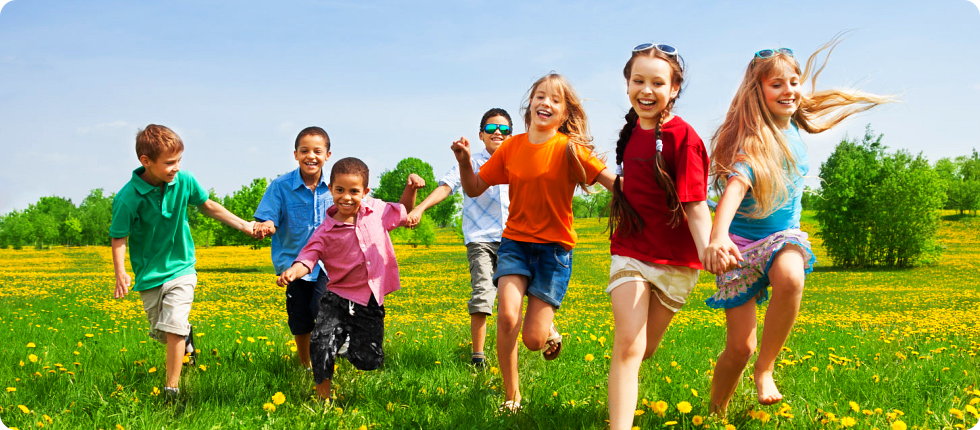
[(242, 203), (392, 185), (961, 178), (877, 209), (203, 228), (73, 231), (15, 230), (95, 214)]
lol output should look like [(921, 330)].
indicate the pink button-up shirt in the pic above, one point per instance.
[(359, 258)]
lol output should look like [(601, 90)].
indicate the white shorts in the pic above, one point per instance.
[(168, 307), (671, 284)]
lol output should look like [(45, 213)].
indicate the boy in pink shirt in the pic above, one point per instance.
[(355, 249)]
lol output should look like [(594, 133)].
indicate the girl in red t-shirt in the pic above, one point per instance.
[(543, 167), (655, 253)]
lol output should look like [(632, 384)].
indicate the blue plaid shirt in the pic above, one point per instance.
[(484, 217), (296, 212)]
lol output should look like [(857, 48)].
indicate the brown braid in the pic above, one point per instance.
[(662, 175), (622, 217)]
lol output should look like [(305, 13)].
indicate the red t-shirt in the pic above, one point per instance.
[(687, 164)]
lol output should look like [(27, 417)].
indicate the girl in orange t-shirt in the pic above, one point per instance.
[(543, 167)]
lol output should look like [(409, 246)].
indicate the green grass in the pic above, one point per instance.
[(887, 340)]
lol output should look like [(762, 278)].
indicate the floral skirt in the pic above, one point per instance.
[(751, 278)]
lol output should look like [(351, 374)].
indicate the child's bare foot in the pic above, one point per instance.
[(766, 387)]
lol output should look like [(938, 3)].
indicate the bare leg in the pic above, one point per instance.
[(740, 341), (323, 389), (786, 276), (537, 323), (303, 349), (478, 330), (630, 303), (175, 358), (658, 319), (510, 299)]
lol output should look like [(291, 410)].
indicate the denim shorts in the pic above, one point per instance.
[(548, 267)]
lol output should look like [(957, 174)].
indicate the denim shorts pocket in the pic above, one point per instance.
[(562, 256)]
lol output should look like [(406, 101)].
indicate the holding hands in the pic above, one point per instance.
[(263, 230), (415, 182), (721, 255)]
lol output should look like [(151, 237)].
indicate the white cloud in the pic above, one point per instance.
[(2, 4), (975, 3)]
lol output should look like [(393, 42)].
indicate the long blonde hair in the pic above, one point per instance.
[(750, 134), (575, 125)]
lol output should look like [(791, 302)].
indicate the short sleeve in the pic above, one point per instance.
[(196, 194), (742, 168), (494, 171), (270, 207), (592, 164), (394, 216), (123, 216), (452, 179), (691, 165)]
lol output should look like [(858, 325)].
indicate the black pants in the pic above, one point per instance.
[(341, 320)]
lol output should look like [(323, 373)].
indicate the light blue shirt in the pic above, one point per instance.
[(296, 212), (484, 216), (784, 217)]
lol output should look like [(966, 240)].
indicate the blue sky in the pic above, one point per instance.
[(388, 80)]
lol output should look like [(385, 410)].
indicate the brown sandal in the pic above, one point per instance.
[(554, 340)]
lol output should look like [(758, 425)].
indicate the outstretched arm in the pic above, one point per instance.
[(472, 184), (699, 221), (296, 271), (119, 265), (721, 254), (435, 197), (218, 212)]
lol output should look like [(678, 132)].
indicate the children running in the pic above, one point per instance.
[(483, 224), (655, 256), (292, 207), (354, 247), (759, 160), (542, 168), (151, 210)]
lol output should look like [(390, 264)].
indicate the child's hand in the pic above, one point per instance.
[(414, 217), (721, 255), (286, 278), (461, 149), (122, 285), (264, 229), (415, 181), (249, 228)]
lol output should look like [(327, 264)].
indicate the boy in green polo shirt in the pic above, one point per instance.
[(151, 210)]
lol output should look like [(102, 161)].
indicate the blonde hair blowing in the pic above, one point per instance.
[(750, 135), (575, 125)]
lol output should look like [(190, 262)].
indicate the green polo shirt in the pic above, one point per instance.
[(160, 243)]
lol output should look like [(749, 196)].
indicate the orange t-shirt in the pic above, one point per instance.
[(541, 187)]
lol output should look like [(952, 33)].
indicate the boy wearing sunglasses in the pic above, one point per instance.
[(483, 224)]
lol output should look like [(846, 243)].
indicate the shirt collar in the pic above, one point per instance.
[(296, 182), (362, 211), (142, 186)]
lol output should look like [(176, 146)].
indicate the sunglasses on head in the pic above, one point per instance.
[(492, 128), (666, 49), (766, 53)]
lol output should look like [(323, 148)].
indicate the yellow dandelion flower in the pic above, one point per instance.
[(32, 358), (975, 400), (684, 407), (638, 412), (269, 407), (972, 410), (152, 370), (362, 427), (47, 419), (694, 392), (89, 335), (956, 413), (848, 422), (494, 370), (670, 423), (660, 407), (854, 406), (589, 357), (667, 378), (730, 427), (697, 420), (554, 394), (24, 409), (155, 392), (899, 425), (203, 368), (120, 427), (278, 398), (11, 389), (31, 345)]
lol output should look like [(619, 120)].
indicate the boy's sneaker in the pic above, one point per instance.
[(171, 393), (342, 352), (479, 361), (190, 352)]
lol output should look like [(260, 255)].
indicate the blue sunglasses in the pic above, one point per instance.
[(492, 128), (767, 53), (666, 49)]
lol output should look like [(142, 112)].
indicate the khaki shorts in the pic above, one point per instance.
[(168, 307), (671, 284), (483, 263)]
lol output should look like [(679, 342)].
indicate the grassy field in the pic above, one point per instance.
[(885, 349)]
